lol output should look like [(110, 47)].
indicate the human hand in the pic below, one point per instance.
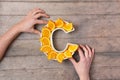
[(83, 66), (28, 23)]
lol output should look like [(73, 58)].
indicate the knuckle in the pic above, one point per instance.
[(42, 21), (34, 19), (83, 59)]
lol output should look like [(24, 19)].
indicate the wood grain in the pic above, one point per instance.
[(99, 73), (105, 73), (37, 74), (58, 0), (39, 66), (96, 23), (85, 26), (81, 8), (36, 62), (31, 47)]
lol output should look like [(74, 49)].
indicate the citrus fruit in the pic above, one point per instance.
[(45, 41), (52, 55), (47, 45), (59, 23), (45, 32), (60, 57), (68, 27), (51, 25), (45, 48), (72, 48), (68, 54)]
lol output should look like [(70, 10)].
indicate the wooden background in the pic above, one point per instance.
[(97, 24)]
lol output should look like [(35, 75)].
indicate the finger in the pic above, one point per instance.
[(41, 15), (85, 50), (33, 10), (41, 22), (89, 51), (73, 61), (93, 52), (36, 32), (81, 53), (38, 11)]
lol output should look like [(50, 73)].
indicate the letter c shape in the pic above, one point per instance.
[(47, 40)]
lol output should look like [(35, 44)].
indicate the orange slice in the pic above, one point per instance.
[(59, 23), (60, 57), (45, 32), (72, 48), (68, 27), (51, 25), (45, 41), (68, 54), (52, 55), (45, 49)]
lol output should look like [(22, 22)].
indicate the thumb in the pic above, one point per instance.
[(73, 61), (37, 32)]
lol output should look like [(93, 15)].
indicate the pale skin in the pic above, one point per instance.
[(83, 66), (27, 24)]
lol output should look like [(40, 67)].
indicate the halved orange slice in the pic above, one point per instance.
[(73, 47), (60, 57), (51, 25), (52, 55), (68, 54), (45, 41), (45, 49), (68, 27), (45, 32), (47, 45), (59, 23)]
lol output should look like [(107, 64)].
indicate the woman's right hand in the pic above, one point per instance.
[(83, 66)]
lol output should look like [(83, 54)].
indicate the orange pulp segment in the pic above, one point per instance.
[(51, 25), (52, 55), (68, 54), (60, 57), (45, 32), (59, 23), (73, 47), (68, 27), (45, 41), (45, 48)]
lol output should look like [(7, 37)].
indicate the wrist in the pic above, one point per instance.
[(84, 77), (16, 29), (13, 31)]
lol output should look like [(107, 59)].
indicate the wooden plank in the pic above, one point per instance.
[(24, 47), (40, 0), (38, 74), (99, 73), (34, 65), (100, 44), (57, 0), (31, 62), (53, 74), (36, 62), (31, 47), (86, 26), (21, 8), (105, 73)]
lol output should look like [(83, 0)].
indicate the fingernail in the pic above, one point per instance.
[(43, 11), (48, 16)]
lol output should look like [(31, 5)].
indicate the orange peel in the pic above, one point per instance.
[(47, 42)]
